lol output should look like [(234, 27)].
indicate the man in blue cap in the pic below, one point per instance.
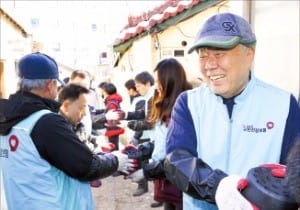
[(232, 123), (44, 164)]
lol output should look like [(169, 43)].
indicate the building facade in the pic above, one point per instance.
[(276, 24)]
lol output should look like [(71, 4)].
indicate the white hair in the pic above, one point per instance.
[(31, 84)]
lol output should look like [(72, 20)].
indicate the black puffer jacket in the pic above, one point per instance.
[(54, 138)]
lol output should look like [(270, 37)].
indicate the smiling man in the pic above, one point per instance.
[(232, 123)]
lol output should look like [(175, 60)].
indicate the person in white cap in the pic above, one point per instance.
[(43, 162), (231, 123)]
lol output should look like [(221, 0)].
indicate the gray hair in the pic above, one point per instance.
[(31, 84)]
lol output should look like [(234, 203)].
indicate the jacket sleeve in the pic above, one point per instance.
[(182, 165), (98, 121), (139, 112), (154, 170), (192, 176), (136, 115), (292, 129), (140, 125), (59, 145), (102, 166)]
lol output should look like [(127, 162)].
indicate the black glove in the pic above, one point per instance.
[(121, 114), (143, 152), (98, 118), (131, 124), (139, 125)]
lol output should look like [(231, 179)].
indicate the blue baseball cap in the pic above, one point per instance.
[(38, 66), (225, 31)]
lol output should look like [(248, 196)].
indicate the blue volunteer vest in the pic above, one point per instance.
[(252, 136), (30, 182), (159, 135)]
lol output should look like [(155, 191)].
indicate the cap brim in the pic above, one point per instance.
[(61, 82), (223, 42)]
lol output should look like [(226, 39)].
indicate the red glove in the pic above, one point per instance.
[(277, 170), (114, 132), (108, 147), (121, 114), (129, 148), (267, 188)]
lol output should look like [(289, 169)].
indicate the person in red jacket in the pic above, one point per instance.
[(112, 101)]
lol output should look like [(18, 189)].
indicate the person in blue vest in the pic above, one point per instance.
[(43, 162), (170, 80), (231, 123)]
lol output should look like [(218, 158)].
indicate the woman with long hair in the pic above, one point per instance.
[(171, 80)]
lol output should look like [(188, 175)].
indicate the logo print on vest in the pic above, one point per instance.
[(13, 143), (250, 128), (270, 125), (229, 26)]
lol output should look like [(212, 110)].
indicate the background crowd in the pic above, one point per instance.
[(195, 144)]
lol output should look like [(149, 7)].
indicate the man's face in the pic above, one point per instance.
[(75, 110), (226, 72), (142, 88), (131, 92)]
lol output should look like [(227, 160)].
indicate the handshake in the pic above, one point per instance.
[(111, 117), (131, 158), (126, 165), (264, 188), (115, 115)]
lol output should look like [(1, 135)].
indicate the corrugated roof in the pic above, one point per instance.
[(14, 22), (144, 22)]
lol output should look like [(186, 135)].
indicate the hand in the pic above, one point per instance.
[(140, 153), (228, 194), (129, 167), (134, 141), (131, 124), (137, 176), (145, 150), (107, 147), (129, 148), (122, 159), (122, 114), (114, 131), (112, 115), (132, 164), (115, 115), (277, 170), (124, 162)]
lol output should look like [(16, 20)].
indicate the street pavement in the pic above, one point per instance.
[(116, 194)]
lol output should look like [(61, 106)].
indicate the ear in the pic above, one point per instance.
[(50, 84), (250, 56), (251, 52), (65, 105)]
